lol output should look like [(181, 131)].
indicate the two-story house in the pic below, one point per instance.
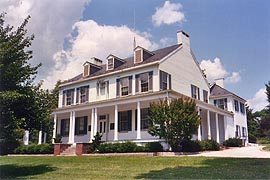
[(114, 98)]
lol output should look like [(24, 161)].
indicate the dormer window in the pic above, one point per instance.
[(86, 68), (110, 64), (141, 54), (90, 68), (114, 62)]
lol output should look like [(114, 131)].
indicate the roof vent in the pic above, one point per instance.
[(141, 54)]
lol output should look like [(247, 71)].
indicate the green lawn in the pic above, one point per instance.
[(267, 147), (131, 167)]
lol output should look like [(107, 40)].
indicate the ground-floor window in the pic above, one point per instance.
[(244, 132), (124, 120), (64, 127), (81, 125), (237, 132), (144, 118)]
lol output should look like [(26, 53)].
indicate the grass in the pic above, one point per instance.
[(130, 167)]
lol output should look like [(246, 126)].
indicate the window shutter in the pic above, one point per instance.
[(119, 122), (160, 80), (215, 102), (151, 80), (87, 93), (136, 119), (191, 90), (85, 125), (129, 120), (77, 95), (107, 86), (130, 85), (64, 98), (97, 88), (77, 121), (170, 81), (62, 127), (72, 96), (137, 82), (117, 88), (198, 93)]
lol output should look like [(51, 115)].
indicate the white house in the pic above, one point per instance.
[(113, 98)]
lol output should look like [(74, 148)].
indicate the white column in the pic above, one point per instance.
[(217, 128), (225, 127), (116, 123), (133, 85), (39, 137), (199, 127), (75, 96), (138, 120), (92, 124), (208, 125), (54, 127), (45, 138), (26, 137), (71, 127), (96, 123)]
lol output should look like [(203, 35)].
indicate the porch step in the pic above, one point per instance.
[(70, 151)]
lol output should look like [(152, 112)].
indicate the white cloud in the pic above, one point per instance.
[(94, 40), (215, 70), (259, 100), (170, 13), (51, 22)]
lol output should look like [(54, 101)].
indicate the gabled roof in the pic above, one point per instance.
[(128, 63), (216, 91)]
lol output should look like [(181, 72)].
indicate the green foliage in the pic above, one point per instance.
[(233, 142), (191, 146), (118, 147), (34, 149), (58, 138), (264, 140), (209, 144), (153, 147), (267, 87), (95, 143), (174, 121)]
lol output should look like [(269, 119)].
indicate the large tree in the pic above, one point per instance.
[(267, 87), (23, 106), (253, 123), (174, 121)]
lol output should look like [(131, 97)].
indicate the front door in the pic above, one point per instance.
[(102, 127)]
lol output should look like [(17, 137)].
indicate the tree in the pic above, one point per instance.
[(267, 87), (253, 124), (23, 106), (174, 121)]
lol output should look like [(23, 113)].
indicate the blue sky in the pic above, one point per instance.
[(229, 38)]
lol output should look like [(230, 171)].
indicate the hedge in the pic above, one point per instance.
[(196, 146), (233, 142), (34, 149)]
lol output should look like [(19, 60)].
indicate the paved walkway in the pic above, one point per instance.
[(243, 152)]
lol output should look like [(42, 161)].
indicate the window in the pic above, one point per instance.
[(103, 88), (242, 108), (68, 97), (205, 96), (221, 103), (124, 120), (244, 132), (144, 82), (195, 92), (164, 80), (124, 86), (110, 63), (111, 126), (144, 118), (64, 127), (236, 106), (81, 125), (237, 132), (82, 94)]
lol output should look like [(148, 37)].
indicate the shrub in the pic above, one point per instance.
[(191, 146), (153, 147), (233, 142), (252, 138), (209, 145), (34, 149), (264, 140), (141, 149), (118, 147), (58, 138)]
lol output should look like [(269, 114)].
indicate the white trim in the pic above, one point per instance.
[(115, 122), (217, 127), (208, 125), (138, 120)]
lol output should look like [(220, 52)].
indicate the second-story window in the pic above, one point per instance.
[(68, 97), (236, 106), (82, 95), (205, 96), (242, 108), (144, 82), (124, 86), (103, 88), (195, 92), (164, 80), (221, 103)]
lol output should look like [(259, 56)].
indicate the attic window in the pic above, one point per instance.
[(141, 54), (110, 63), (138, 56), (86, 70)]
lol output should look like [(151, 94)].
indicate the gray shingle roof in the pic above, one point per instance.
[(216, 91), (129, 62)]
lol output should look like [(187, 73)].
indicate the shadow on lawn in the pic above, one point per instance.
[(12, 171), (221, 168)]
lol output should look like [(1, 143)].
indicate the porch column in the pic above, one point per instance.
[(92, 124), (45, 138), (95, 124), (138, 120), (54, 127), (225, 127), (116, 123), (39, 137), (208, 125), (217, 128), (75, 96), (71, 127), (199, 127)]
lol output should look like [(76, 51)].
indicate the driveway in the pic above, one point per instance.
[(243, 152)]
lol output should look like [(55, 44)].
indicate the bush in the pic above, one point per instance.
[(233, 142), (191, 146), (252, 138), (153, 147), (206, 145), (118, 147), (34, 149), (264, 140), (141, 149)]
